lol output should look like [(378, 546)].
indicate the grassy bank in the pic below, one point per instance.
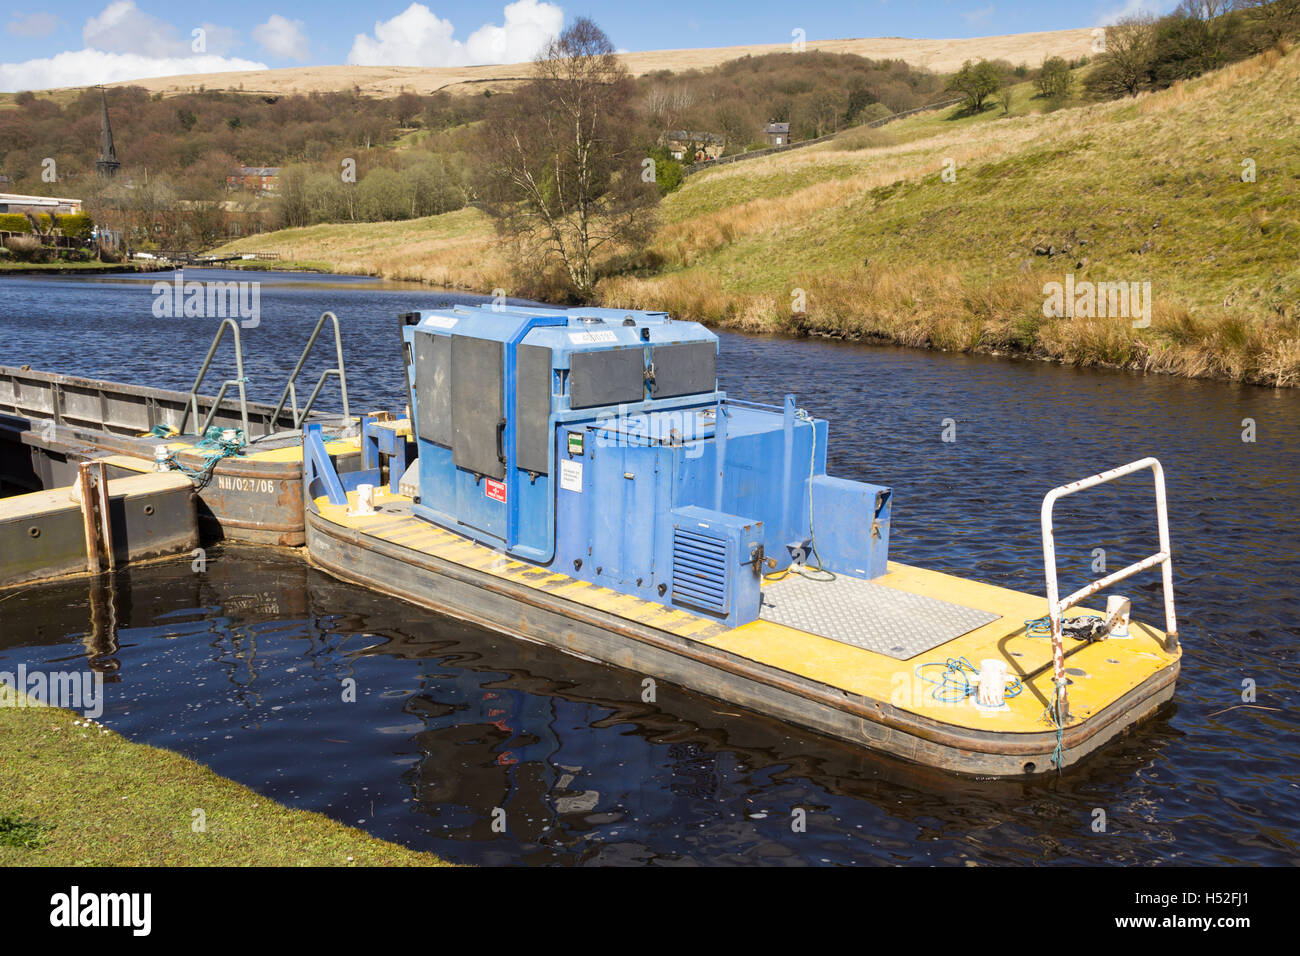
[(78, 795), (866, 238), (76, 268)]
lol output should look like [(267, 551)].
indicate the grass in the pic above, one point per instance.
[(884, 247), (22, 268), (455, 250), (76, 794), (22, 834)]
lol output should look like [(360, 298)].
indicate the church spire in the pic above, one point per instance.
[(107, 164)]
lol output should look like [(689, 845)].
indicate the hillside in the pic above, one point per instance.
[(1147, 189), (939, 55)]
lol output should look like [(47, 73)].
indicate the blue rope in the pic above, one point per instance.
[(955, 683), (219, 447)]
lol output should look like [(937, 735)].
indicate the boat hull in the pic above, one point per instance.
[(644, 651)]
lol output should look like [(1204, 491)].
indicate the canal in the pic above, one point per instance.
[(238, 665)]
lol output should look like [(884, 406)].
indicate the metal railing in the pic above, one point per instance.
[(1056, 605), (238, 380), (290, 393)]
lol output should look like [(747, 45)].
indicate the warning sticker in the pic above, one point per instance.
[(575, 443), (496, 490), (571, 475)]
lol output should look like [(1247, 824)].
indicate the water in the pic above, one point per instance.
[(241, 667)]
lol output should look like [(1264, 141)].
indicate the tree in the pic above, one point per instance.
[(1270, 21), (977, 82), (1197, 37), (1054, 79), (292, 194), (1124, 68), (735, 124), (668, 171), (406, 107), (560, 159), (383, 196)]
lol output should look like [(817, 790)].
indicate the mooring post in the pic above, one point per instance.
[(105, 520), (86, 496), (92, 490)]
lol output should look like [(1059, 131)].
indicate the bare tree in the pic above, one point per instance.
[(561, 167), (666, 106), (1125, 66)]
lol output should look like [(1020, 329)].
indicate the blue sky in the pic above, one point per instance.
[(76, 42)]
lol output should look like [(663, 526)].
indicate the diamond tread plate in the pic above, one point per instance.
[(871, 616)]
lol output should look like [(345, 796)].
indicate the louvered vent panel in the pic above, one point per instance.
[(700, 570)]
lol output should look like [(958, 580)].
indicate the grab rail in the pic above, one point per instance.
[(193, 405), (290, 392), (1056, 605)]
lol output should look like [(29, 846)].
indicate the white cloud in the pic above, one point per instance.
[(282, 37), (125, 43), (32, 25), (88, 67), (122, 27), (979, 16), (419, 37)]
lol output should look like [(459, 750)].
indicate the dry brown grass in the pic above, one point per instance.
[(953, 267), (930, 307), (942, 56)]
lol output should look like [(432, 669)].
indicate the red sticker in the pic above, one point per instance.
[(496, 490)]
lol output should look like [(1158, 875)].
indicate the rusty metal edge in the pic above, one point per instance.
[(1077, 740)]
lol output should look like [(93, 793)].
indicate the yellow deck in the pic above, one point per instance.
[(286, 453), (36, 503), (1110, 668)]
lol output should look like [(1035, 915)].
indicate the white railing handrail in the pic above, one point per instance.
[(1056, 606)]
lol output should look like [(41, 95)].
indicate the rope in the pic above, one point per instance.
[(219, 449), (1058, 754), (955, 685), (1082, 628)]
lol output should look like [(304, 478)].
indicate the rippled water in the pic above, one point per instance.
[(239, 667)]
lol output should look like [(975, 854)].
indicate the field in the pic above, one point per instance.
[(876, 243), (939, 55)]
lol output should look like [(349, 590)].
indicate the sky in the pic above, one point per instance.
[(81, 42)]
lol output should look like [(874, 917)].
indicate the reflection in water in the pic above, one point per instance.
[(418, 728), (248, 668)]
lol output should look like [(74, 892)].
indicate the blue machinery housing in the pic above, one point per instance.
[(595, 442)]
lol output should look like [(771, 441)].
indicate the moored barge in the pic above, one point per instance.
[(577, 478), (248, 487)]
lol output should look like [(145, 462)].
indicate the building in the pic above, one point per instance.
[(694, 147), (107, 164), (14, 203), (778, 134), (258, 179)]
